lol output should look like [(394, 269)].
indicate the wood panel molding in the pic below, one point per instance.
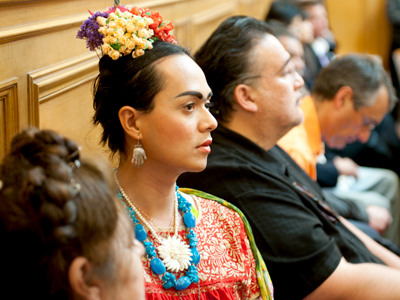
[(15, 33), (47, 83), (184, 28), (15, 1), (214, 13), (10, 34), (8, 113), (253, 8), (183, 31), (156, 3)]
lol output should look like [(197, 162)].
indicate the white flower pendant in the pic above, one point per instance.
[(175, 254)]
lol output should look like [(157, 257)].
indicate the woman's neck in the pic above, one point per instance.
[(150, 190)]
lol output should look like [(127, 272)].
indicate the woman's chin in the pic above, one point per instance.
[(197, 168)]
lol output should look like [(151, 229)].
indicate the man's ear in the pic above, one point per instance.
[(244, 98), (81, 280), (129, 118), (343, 97)]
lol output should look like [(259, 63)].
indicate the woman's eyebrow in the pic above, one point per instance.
[(194, 93)]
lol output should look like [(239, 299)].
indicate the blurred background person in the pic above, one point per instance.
[(293, 46)]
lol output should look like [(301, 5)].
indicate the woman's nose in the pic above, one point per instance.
[(209, 123)]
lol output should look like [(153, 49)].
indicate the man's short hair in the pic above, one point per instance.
[(364, 74), (284, 11), (280, 29), (226, 59), (309, 3)]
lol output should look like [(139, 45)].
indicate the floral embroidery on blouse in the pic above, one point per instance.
[(227, 265)]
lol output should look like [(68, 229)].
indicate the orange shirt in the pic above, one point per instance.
[(303, 143)]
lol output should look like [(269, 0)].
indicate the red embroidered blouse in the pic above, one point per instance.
[(226, 269)]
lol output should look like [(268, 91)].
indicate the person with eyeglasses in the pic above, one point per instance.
[(364, 195), (296, 144), (311, 252)]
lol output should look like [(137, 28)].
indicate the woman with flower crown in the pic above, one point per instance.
[(152, 101)]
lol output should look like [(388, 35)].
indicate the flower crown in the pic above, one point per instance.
[(122, 31)]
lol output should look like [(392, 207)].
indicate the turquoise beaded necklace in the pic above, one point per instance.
[(156, 264)]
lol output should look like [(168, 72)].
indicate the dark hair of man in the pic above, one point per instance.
[(226, 59), (284, 11), (280, 29), (310, 3), (131, 82), (364, 74), (46, 222)]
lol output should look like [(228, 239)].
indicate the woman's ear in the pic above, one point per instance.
[(81, 280), (128, 116), (244, 98)]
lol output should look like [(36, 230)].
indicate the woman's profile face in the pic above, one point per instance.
[(176, 133)]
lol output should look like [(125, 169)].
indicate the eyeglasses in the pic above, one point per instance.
[(326, 210), (367, 122), (290, 70)]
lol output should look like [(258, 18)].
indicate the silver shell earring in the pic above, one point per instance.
[(138, 156)]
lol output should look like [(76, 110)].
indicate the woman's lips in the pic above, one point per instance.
[(205, 147)]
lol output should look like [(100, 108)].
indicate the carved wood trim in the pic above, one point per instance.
[(19, 32), (3, 2), (47, 83), (9, 113)]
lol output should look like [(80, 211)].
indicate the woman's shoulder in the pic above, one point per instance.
[(214, 209), (208, 198)]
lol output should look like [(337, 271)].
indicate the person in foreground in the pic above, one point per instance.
[(311, 252), (64, 234), (153, 107)]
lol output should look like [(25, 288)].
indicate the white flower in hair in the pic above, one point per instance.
[(175, 254)]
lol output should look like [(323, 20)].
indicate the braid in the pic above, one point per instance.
[(41, 190)]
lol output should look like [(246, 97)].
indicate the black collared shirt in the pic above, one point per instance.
[(301, 246)]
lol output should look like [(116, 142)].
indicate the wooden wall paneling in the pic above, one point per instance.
[(377, 30), (14, 33), (155, 3), (255, 8), (360, 26), (15, 14), (347, 23), (8, 113), (204, 23), (70, 114), (14, 1), (60, 99), (183, 31), (48, 83), (198, 6)]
